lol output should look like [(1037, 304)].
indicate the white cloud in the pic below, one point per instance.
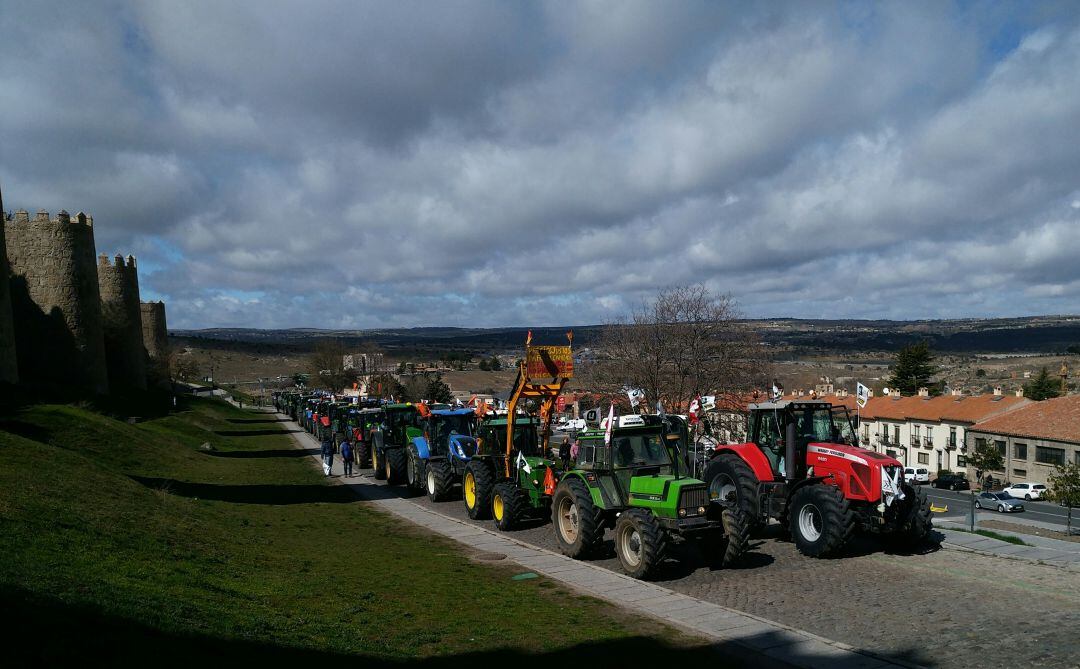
[(399, 163)]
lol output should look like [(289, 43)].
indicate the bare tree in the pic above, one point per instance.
[(684, 343), (327, 366)]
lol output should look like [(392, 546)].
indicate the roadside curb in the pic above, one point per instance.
[(753, 635), (976, 543)]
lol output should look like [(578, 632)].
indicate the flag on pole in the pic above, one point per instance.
[(636, 396), (862, 395), (659, 408), (695, 409), (708, 402), (777, 391), (610, 422)]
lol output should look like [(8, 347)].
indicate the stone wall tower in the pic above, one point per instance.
[(155, 338), (55, 300), (9, 366), (121, 314)]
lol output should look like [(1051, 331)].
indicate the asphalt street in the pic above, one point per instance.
[(959, 504)]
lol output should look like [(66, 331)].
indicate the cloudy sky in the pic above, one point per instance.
[(379, 164)]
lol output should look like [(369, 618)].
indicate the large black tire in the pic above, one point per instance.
[(476, 485), (438, 480), (915, 521), (396, 465), (508, 505), (363, 455), (821, 520), (377, 465), (579, 524), (415, 470), (640, 542), (729, 474), (724, 547)]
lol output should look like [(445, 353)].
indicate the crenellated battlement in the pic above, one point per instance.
[(117, 262), (62, 217)]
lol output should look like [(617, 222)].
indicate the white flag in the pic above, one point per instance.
[(862, 395), (610, 422), (636, 395), (523, 464), (708, 402)]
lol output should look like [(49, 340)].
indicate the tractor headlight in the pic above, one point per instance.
[(701, 510), (682, 513)]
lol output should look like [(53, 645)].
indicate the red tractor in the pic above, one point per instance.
[(802, 468)]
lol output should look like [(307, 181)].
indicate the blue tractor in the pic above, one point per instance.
[(438, 456)]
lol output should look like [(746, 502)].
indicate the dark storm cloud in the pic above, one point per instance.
[(403, 163)]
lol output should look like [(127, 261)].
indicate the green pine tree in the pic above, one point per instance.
[(913, 369), (1042, 387)]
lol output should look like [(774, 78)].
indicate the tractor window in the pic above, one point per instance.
[(769, 439), (814, 425), (448, 425), (639, 450), (592, 454)]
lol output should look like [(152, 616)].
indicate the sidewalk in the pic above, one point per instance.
[(756, 639), (1045, 551)]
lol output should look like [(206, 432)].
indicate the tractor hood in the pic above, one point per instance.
[(656, 488), (862, 456)]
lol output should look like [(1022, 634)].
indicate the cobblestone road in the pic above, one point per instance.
[(940, 608)]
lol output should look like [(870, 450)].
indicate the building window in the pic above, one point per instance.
[(961, 461), (952, 437), (1020, 451), (979, 442), (924, 458), (1050, 456), (1019, 472), (915, 431), (1000, 446), (896, 434)]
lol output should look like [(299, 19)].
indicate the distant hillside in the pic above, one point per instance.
[(1036, 334)]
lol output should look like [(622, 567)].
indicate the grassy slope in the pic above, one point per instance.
[(121, 542)]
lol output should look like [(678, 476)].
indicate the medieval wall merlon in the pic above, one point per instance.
[(42, 216)]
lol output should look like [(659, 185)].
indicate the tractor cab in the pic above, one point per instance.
[(638, 447), (491, 435), (451, 432), (397, 420), (810, 422)]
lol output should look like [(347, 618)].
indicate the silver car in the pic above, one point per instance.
[(1001, 501)]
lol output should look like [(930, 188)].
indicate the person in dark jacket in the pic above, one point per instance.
[(347, 458), (328, 456)]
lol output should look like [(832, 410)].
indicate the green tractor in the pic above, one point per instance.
[(488, 492), (631, 480), (390, 438), (513, 475)]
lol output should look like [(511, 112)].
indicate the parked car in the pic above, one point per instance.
[(1000, 501), (916, 474), (952, 482), (1026, 490)]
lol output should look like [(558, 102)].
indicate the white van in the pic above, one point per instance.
[(916, 474)]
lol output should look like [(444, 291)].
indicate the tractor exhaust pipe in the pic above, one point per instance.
[(790, 463)]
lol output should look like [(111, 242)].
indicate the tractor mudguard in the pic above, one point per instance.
[(593, 486), (752, 456), (421, 447)]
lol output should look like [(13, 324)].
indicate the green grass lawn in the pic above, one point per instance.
[(127, 544)]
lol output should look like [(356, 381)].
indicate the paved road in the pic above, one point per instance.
[(1042, 514), (936, 608)]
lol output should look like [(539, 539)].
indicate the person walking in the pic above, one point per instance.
[(347, 458), (327, 456)]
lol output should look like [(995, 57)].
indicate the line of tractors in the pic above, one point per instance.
[(630, 473)]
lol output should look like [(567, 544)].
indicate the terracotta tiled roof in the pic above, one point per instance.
[(1057, 419), (958, 409)]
